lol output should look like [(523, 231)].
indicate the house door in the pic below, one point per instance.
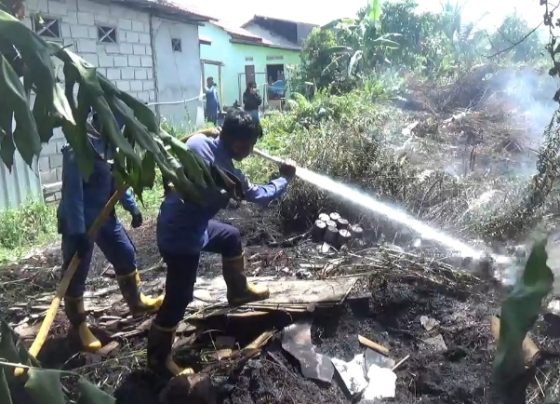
[(211, 68), (249, 74)]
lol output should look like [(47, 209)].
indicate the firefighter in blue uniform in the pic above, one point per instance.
[(81, 203), (185, 229)]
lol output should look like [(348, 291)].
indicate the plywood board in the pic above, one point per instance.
[(283, 292)]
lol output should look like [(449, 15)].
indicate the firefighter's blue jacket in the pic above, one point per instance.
[(181, 227), (83, 200)]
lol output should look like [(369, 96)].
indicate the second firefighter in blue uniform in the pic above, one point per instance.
[(82, 201)]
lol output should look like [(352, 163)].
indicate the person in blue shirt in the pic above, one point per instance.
[(212, 101), (184, 229), (82, 201)]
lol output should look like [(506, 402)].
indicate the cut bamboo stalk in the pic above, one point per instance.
[(318, 231), (331, 236), (344, 237), (334, 216), (324, 217), (342, 223), (331, 223), (65, 282), (373, 345), (357, 231)]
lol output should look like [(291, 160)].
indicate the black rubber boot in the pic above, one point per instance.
[(137, 301), (160, 358)]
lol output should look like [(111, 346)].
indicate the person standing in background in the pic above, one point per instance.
[(252, 101), (212, 101)]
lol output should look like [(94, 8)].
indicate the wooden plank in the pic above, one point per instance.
[(283, 293)]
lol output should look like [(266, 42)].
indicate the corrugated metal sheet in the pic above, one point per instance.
[(20, 185)]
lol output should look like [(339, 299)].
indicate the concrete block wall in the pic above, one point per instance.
[(128, 63), (50, 167)]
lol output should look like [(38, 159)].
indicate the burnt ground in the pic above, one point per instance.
[(395, 290)]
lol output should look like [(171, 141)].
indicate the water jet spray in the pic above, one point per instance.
[(426, 232)]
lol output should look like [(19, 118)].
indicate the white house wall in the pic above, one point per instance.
[(178, 74), (128, 63)]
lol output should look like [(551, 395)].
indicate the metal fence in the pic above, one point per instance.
[(19, 185)]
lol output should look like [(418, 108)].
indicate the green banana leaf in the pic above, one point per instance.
[(519, 313), (14, 102), (91, 394), (5, 395), (44, 386)]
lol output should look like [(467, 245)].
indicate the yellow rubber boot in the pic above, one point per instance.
[(76, 313), (239, 291), (137, 301), (160, 358)]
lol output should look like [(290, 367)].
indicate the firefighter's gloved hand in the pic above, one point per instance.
[(81, 244), (137, 219), (288, 169), (229, 182)]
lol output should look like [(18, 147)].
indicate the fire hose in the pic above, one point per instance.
[(268, 156)]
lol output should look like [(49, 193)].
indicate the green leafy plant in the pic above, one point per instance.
[(26, 224), (519, 313), (337, 55), (42, 386)]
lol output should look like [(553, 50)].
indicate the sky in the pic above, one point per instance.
[(323, 11)]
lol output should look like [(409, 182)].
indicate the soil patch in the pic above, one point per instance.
[(395, 291)]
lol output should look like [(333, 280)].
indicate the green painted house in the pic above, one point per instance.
[(259, 52)]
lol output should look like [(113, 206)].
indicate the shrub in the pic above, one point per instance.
[(28, 224)]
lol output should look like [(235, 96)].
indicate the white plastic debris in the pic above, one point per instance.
[(382, 384), (352, 373), (377, 359)]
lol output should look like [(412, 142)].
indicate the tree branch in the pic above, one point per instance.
[(513, 45)]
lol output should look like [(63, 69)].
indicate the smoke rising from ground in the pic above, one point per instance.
[(530, 94)]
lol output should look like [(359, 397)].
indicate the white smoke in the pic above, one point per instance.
[(531, 93)]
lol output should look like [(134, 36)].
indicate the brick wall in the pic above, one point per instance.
[(128, 63)]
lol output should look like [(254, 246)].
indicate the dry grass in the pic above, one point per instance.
[(464, 169)]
